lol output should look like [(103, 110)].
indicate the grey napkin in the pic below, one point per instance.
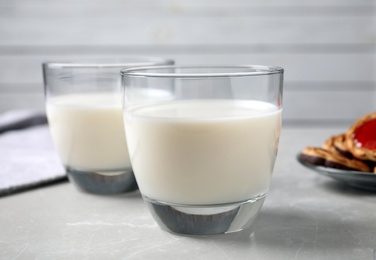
[(27, 156)]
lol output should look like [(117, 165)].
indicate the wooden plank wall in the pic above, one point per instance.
[(327, 47)]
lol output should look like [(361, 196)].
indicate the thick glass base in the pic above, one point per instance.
[(205, 219), (103, 182)]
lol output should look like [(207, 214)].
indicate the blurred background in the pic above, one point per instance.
[(327, 47)]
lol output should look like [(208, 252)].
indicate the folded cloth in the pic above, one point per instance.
[(27, 156), (21, 120)]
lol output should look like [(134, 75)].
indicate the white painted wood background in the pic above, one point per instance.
[(327, 47)]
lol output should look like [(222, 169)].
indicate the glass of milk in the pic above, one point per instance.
[(84, 110), (203, 158)]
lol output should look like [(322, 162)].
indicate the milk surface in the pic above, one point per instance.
[(203, 151), (88, 131)]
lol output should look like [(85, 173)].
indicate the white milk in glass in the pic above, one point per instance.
[(88, 131), (203, 151)]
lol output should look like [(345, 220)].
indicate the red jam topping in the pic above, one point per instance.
[(365, 135)]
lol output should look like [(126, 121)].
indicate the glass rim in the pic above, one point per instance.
[(126, 62), (254, 70)]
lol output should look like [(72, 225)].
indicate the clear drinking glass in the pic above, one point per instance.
[(84, 110), (203, 142)]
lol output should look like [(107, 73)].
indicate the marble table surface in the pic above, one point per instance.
[(305, 216)]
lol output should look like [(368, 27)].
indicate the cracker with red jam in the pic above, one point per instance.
[(361, 138)]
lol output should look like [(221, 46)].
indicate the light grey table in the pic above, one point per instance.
[(305, 216)]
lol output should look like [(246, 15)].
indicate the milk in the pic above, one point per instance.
[(88, 131), (203, 151)]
